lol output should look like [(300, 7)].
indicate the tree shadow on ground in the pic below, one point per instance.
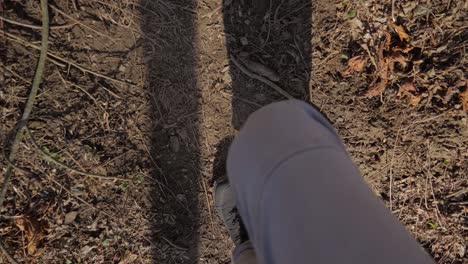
[(275, 34), (171, 84)]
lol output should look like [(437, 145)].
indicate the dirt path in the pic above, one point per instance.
[(169, 132)]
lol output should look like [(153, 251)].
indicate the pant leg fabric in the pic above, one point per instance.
[(303, 200), (244, 254)]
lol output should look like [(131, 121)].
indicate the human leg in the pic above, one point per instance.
[(303, 200)]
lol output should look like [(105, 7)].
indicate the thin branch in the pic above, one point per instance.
[(62, 165), (260, 78), (25, 43), (78, 198), (80, 23), (34, 26), (15, 74), (31, 98), (19, 23), (81, 89), (174, 245), (7, 255)]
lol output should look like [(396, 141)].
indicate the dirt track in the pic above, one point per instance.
[(168, 133)]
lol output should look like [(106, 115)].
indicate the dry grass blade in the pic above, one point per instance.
[(34, 26), (80, 23), (7, 255), (62, 165)]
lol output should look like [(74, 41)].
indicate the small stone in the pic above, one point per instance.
[(244, 41), (461, 249), (36, 124), (174, 143), (122, 68), (260, 97), (70, 217), (227, 78), (181, 197), (183, 134)]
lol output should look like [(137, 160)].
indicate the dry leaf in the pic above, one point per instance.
[(405, 91), (385, 46), (400, 31), (397, 57), (387, 57), (376, 89), (464, 97), (404, 49), (128, 258), (70, 217), (33, 231), (406, 87), (355, 64), (414, 99), (380, 80)]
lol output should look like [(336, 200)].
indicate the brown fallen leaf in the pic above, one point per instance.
[(355, 64), (387, 57), (398, 57), (414, 99), (380, 81), (384, 46), (400, 31), (406, 87), (405, 91), (404, 49), (376, 89), (33, 230), (464, 97)]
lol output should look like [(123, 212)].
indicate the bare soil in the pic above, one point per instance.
[(161, 97)]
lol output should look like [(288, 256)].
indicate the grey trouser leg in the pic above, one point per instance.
[(244, 254), (303, 200)]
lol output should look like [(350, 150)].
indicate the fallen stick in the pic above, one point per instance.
[(62, 165), (34, 26), (80, 23), (260, 78), (25, 43), (31, 98), (7, 255)]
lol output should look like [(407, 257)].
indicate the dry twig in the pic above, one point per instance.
[(27, 109), (7, 255), (31, 98), (82, 68), (260, 78), (34, 26), (47, 157), (80, 23)]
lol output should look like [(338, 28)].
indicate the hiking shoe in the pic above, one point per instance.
[(225, 203)]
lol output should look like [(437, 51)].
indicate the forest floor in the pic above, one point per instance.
[(151, 91)]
